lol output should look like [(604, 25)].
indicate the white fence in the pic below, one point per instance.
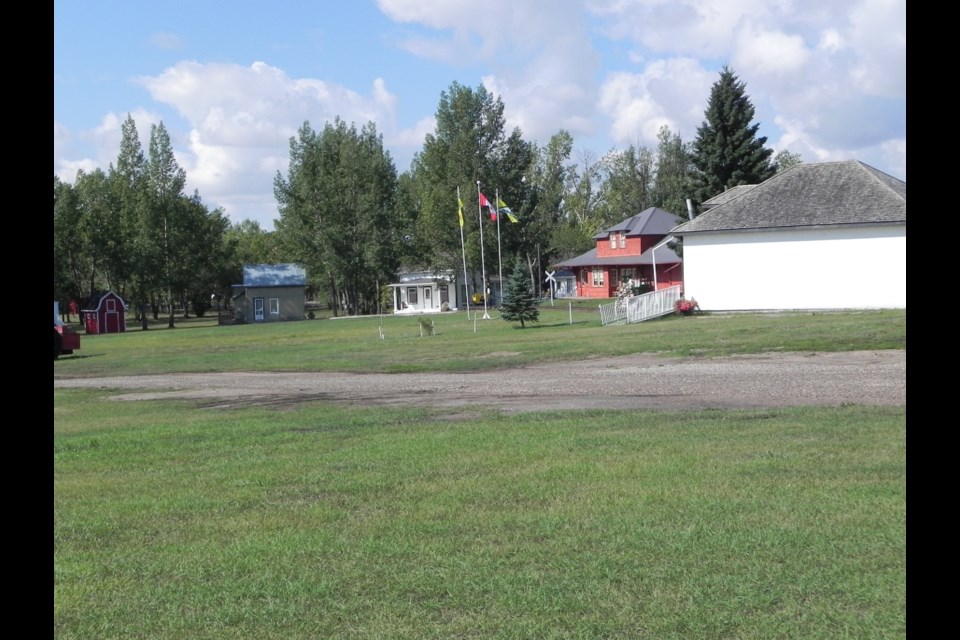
[(645, 306)]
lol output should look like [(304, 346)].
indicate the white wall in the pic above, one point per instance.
[(847, 268)]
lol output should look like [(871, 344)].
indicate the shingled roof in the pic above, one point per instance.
[(726, 196), (665, 255), (826, 194), (649, 222)]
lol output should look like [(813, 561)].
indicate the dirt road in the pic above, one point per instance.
[(627, 382)]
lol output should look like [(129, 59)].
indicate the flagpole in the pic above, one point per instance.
[(463, 252), (483, 266), (496, 207)]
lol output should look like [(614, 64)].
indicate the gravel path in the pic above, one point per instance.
[(627, 382)]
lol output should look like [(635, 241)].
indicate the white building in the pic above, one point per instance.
[(829, 235), (425, 292)]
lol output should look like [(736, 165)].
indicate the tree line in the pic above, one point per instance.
[(354, 222)]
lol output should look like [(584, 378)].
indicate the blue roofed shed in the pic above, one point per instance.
[(270, 293)]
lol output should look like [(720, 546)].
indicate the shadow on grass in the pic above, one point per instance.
[(545, 325)]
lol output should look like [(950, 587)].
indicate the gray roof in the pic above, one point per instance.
[(649, 222), (727, 196), (810, 195), (665, 255), (274, 275)]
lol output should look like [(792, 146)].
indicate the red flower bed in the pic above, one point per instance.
[(686, 307)]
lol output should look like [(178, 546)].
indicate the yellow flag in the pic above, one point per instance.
[(460, 210)]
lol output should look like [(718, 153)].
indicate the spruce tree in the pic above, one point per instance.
[(727, 151), (519, 303)]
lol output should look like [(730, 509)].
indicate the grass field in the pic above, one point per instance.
[(397, 344), (172, 521)]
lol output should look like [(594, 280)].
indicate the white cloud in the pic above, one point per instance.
[(768, 52), (241, 120), (541, 59), (668, 92)]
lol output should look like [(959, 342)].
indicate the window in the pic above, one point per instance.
[(626, 273), (444, 293), (274, 306), (598, 276), (583, 276), (411, 295), (613, 241), (623, 239)]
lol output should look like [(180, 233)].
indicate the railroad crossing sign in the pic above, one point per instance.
[(553, 282)]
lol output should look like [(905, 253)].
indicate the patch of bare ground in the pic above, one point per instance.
[(624, 382)]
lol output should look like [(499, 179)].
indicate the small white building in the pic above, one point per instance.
[(829, 235), (425, 292)]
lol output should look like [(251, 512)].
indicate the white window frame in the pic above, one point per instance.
[(274, 306), (598, 276)]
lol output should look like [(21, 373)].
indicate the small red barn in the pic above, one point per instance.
[(107, 314)]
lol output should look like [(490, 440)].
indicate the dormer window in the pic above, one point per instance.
[(623, 239), (613, 241)]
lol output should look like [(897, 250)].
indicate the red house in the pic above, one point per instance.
[(634, 251), (107, 314)]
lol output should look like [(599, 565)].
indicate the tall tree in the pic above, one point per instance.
[(727, 151), (550, 232), (628, 187), (674, 173), (210, 254), (469, 145), (128, 196), (101, 238), (337, 212), (167, 217), (70, 256)]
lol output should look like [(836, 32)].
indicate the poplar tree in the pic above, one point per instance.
[(337, 212), (727, 151)]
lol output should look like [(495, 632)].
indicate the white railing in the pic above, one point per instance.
[(645, 306)]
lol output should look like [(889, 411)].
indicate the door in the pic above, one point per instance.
[(258, 309)]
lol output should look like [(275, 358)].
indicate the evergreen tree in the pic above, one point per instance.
[(518, 302), (727, 151)]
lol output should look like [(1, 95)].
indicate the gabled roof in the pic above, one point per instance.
[(649, 222), (665, 255), (726, 196), (274, 275), (97, 299), (810, 195)]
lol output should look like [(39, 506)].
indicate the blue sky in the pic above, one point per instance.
[(233, 81)]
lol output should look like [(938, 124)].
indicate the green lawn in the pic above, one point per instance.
[(173, 521), (459, 343)]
